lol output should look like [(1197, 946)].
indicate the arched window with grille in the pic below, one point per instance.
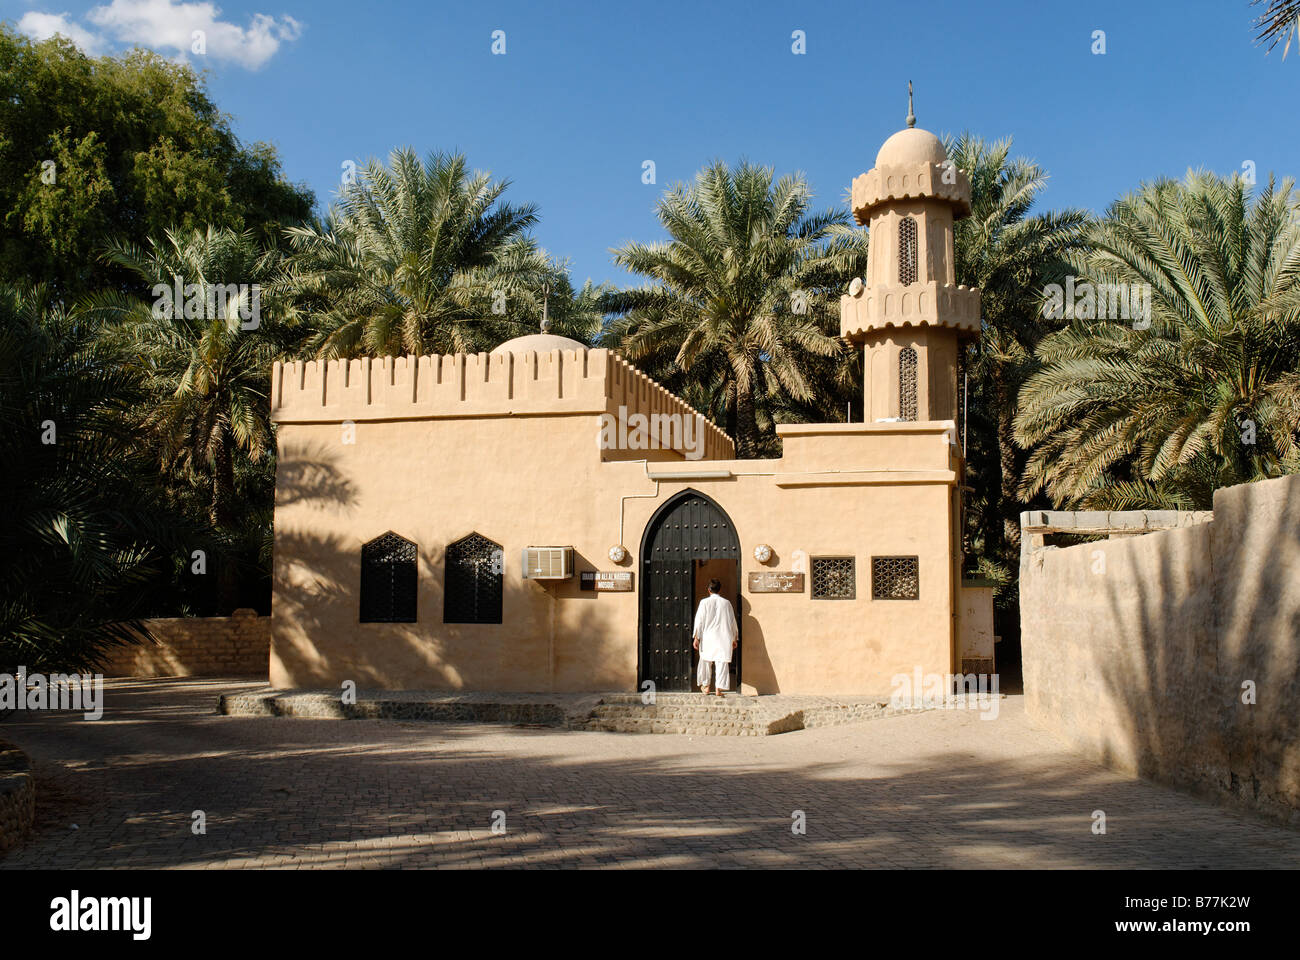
[(907, 252), (388, 580), (473, 584), (907, 384)]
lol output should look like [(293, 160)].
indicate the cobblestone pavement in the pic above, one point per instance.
[(938, 789)]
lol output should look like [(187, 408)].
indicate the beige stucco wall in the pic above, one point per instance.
[(461, 386), (1136, 649), (235, 646), (864, 490)]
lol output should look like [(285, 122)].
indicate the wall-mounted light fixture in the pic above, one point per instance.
[(618, 553), (762, 553)]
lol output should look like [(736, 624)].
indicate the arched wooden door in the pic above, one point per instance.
[(686, 531)]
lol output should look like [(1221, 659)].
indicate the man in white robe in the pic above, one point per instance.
[(716, 636)]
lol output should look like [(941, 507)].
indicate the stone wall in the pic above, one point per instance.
[(234, 646), (17, 795), (1139, 650)]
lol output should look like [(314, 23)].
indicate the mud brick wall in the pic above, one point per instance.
[(1140, 651), (234, 646)]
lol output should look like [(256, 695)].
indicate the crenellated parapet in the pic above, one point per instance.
[(890, 183), (478, 385), (928, 304)]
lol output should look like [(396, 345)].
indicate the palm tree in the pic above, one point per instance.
[(203, 349), (206, 361), (1281, 18), (85, 537), (745, 294), (419, 257), (1010, 255), (1127, 415)]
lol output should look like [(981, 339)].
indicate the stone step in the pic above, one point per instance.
[(679, 713), (674, 712), (328, 706), (677, 698), (686, 727)]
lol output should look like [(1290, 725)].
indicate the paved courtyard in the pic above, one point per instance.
[(939, 789)]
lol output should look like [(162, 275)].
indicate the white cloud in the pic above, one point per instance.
[(170, 27), (42, 26)]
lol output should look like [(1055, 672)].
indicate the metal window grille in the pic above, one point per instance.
[(388, 580), (474, 575), (907, 251), (834, 578), (907, 384), (895, 578)]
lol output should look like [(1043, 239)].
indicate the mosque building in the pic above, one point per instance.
[(545, 517)]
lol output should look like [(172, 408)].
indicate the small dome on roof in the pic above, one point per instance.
[(911, 146), (539, 343)]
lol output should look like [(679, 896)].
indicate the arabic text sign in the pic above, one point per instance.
[(775, 581)]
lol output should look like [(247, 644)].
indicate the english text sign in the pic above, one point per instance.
[(618, 581)]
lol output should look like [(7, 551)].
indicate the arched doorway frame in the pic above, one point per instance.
[(667, 601)]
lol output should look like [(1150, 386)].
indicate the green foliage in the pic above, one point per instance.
[(742, 315), (137, 147), (1209, 394), (424, 257), (88, 538), (205, 361), (1010, 254)]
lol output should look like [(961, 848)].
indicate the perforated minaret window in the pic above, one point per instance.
[(474, 575), (907, 253), (895, 578), (907, 384), (388, 580)]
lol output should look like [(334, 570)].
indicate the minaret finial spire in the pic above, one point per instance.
[(911, 116)]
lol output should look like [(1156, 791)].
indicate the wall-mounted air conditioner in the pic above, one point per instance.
[(548, 563)]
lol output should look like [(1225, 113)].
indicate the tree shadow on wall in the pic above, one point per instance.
[(311, 478), (1195, 628), (317, 624)]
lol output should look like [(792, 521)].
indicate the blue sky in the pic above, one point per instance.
[(585, 93)]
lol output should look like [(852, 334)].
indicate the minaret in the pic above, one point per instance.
[(910, 315)]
